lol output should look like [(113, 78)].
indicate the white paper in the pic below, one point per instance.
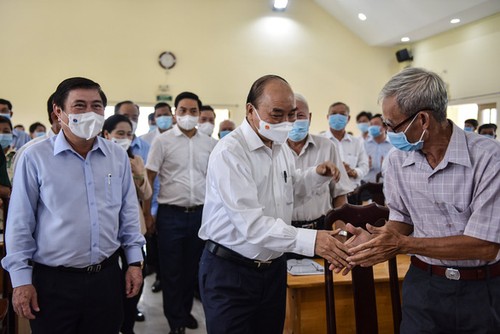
[(304, 267)]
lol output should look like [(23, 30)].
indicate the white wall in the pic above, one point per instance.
[(222, 46)]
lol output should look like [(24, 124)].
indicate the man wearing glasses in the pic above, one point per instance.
[(442, 189)]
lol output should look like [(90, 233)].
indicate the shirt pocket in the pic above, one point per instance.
[(288, 193), (456, 219), (113, 190)]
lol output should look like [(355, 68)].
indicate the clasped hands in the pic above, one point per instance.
[(364, 248)]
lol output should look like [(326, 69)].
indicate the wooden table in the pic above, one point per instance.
[(306, 307)]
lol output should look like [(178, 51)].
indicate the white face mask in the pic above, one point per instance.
[(123, 142), (187, 122), (278, 133), (206, 128), (134, 126), (86, 125)]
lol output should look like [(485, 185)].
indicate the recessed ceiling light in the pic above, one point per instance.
[(280, 5), (405, 39), (454, 21), (362, 17)]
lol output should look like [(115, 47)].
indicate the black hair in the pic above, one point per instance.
[(258, 86), (187, 95), (366, 114), (207, 107), (487, 126), (62, 91), (473, 122), (7, 102), (50, 106), (119, 105), (162, 105), (151, 116), (6, 120), (35, 125), (110, 124)]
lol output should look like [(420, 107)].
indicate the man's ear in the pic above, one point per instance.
[(249, 108)]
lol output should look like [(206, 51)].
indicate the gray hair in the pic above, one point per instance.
[(301, 98), (417, 89)]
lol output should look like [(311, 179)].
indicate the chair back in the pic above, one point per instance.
[(363, 283)]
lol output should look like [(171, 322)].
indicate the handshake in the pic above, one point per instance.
[(364, 247)]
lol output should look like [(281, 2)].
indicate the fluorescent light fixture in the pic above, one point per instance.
[(280, 5), (455, 21), (405, 39), (362, 17)]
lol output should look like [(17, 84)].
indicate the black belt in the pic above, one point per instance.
[(193, 208), (467, 274), (311, 224), (95, 268), (226, 253)]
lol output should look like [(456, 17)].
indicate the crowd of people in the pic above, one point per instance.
[(94, 207)]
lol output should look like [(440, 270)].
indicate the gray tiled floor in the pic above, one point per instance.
[(156, 323)]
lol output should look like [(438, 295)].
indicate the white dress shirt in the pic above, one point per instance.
[(181, 163), (316, 150), (352, 152), (150, 136), (250, 196)]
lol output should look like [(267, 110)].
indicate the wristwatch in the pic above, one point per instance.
[(137, 264)]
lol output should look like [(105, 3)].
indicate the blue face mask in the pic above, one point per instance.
[(299, 130), (489, 136), (399, 140), (39, 133), (164, 122), (5, 140), (337, 121), (5, 115), (468, 129), (152, 127), (363, 127), (374, 131), (224, 133)]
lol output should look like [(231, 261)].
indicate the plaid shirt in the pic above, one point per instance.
[(458, 197)]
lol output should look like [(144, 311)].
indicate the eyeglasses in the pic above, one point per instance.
[(395, 127)]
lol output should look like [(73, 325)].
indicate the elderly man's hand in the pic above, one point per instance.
[(25, 301), (328, 168), (383, 243), (133, 281)]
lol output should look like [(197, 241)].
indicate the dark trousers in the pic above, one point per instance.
[(434, 305), (78, 303), (242, 300), (180, 250)]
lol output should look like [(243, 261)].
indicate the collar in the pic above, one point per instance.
[(178, 132), (61, 144), (251, 137), (457, 151)]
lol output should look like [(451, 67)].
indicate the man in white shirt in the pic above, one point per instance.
[(377, 147), (310, 150), (206, 123), (251, 185), (180, 157), (163, 120), (352, 149)]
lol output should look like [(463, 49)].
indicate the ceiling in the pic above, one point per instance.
[(390, 20)]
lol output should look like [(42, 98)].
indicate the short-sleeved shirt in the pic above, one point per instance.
[(181, 163), (317, 150), (458, 197)]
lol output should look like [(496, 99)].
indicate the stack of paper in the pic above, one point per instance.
[(304, 267)]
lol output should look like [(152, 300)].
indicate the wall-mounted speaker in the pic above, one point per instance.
[(403, 55)]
